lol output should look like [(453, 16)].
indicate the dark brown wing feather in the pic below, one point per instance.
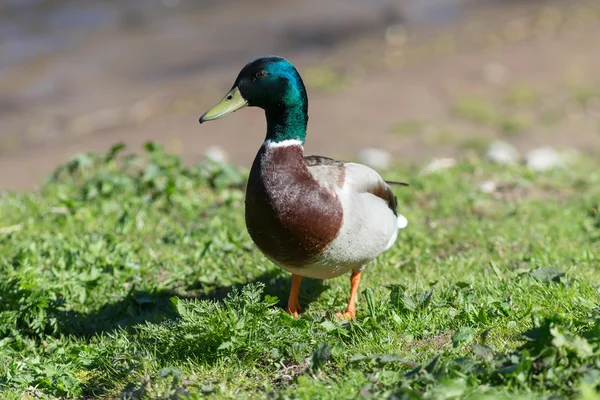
[(383, 191), (397, 183)]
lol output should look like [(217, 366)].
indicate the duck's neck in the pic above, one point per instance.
[(287, 123)]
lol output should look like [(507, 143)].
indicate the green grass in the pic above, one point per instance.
[(475, 110), (477, 144), (325, 79), (551, 117), (522, 96), (133, 277), (485, 114), (583, 94), (408, 127), (513, 125)]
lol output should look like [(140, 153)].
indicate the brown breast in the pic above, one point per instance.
[(290, 217)]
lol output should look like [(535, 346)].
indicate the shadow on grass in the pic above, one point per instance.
[(140, 306)]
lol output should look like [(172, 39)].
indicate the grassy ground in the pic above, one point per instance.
[(134, 277)]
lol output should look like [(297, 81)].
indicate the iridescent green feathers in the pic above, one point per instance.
[(273, 84)]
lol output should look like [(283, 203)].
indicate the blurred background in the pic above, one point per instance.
[(388, 80)]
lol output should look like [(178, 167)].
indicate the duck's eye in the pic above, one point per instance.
[(261, 74)]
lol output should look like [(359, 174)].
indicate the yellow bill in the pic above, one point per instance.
[(230, 103)]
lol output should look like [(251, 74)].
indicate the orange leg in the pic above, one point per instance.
[(351, 309), (293, 307)]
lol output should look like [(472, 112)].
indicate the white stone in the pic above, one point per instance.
[(396, 35), (375, 158), (488, 186), (439, 164), (543, 159), (502, 153), (216, 154), (495, 73)]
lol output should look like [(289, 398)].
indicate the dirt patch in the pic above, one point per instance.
[(436, 342), (289, 372)]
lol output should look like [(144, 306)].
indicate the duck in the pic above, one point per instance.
[(312, 216)]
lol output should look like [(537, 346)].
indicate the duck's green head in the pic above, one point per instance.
[(273, 84)]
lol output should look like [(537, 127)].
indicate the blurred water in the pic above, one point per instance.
[(55, 50), (30, 28)]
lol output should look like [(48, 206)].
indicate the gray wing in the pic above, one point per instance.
[(363, 179), (357, 177), (328, 172)]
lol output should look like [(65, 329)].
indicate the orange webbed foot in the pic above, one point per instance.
[(350, 312), (348, 315)]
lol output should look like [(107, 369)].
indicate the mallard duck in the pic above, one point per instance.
[(312, 216)]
